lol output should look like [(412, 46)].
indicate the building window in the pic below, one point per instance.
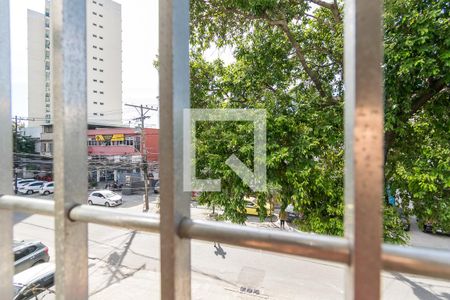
[(129, 141)]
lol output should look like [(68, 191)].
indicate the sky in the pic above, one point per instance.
[(140, 77)]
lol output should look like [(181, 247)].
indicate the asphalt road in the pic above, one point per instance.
[(124, 264)]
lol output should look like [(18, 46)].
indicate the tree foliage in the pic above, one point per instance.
[(288, 60), (417, 71), (21, 142)]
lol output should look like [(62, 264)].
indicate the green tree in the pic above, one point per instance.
[(21, 142), (417, 70), (288, 60)]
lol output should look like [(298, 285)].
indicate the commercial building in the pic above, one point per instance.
[(114, 153), (104, 64)]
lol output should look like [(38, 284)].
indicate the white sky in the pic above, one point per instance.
[(139, 46)]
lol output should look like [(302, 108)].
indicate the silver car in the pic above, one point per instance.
[(28, 254), (34, 283)]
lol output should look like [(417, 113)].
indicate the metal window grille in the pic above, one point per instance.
[(361, 249)]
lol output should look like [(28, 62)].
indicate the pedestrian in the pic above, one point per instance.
[(282, 216)]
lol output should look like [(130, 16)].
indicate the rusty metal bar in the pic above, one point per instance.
[(416, 260), (313, 246), (174, 95), (69, 93), (364, 114), (413, 260), (6, 161)]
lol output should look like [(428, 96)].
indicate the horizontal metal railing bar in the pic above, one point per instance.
[(413, 260), (27, 205), (108, 216), (308, 245), (416, 260)]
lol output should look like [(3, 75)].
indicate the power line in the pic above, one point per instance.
[(143, 111)]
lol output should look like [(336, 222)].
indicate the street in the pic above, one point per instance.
[(124, 264)]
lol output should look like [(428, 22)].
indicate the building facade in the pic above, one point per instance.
[(115, 153), (104, 64)]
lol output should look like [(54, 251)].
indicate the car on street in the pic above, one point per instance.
[(22, 182), (292, 215), (34, 283), (156, 188), (47, 188), (252, 207), (31, 187), (28, 254), (104, 197), (404, 219), (431, 226)]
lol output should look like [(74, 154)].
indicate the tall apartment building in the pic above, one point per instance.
[(104, 64)]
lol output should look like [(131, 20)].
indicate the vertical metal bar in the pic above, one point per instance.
[(69, 92), (363, 146), (174, 95), (6, 165)]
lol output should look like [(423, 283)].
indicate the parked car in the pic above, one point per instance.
[(32, 187), (156, 188), (292, 214), (47, 188), (22, 182), (405, 219), (28, 254), (431, 226), (105, 197), (251, 207), (35, 282)]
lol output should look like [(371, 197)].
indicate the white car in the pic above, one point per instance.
[(105, 197), (35, 282), (22, 182), (47, 188), (32, 187)]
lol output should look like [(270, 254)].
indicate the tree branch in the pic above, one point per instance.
[(435, 88), (331, 6), (298, 50)]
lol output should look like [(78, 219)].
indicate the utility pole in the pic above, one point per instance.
[(144, 167), (15, 146)]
